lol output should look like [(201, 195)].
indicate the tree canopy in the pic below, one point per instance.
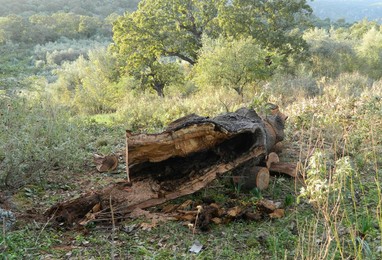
[(233, 63), (276, 24), (175, 29), (166, 28)]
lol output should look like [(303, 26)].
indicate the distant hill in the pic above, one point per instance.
[(101, 8), (350, 10)]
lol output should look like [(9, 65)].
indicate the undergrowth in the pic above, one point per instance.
[(333, 211)]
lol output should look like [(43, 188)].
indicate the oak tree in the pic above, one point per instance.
[(175, 28)]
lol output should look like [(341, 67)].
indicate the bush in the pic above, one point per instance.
[(55, 53), (348, 85), (88, 86), (149, 113), (58, 57), (289, 88)]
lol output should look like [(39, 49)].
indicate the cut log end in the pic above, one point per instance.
[(278, 148), (272, 158), (262, 177), (105, 163), (256, 177)]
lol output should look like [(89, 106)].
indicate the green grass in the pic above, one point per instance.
[(172, 239), (334, 138)]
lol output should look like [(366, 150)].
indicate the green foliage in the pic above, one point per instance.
[(348, 85), (150, 113), (233, 63), (303, 85), (365, 122), (370, 52), (330, 53), (42, 28), (58, 57), (277, 24), (50, 125), (13, 28), (68, 25), (56, 53), (327, 23), (89, 86), (15, 65), (165, 28), (160, 74), (175, 29), (151, 40), (335, 51), (359, 29)]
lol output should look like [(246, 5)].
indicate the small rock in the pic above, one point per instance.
[(8, 218)]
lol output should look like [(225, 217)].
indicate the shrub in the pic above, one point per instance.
[(58, 57), (55, 53), (150, 113), (348, 85), (288, 88), (89, 86)]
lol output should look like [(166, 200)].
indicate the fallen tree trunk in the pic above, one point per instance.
[(187, 156)]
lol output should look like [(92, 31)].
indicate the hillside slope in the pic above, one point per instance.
[(350, 10)]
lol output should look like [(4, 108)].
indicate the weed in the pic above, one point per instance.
[(289, 200)]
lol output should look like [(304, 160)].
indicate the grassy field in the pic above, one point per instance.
[(332, 211)]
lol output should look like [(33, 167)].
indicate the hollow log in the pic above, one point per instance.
[(186, 157)]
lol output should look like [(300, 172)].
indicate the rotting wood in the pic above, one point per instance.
[(127, 157), (105, 163), (186, 157)]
